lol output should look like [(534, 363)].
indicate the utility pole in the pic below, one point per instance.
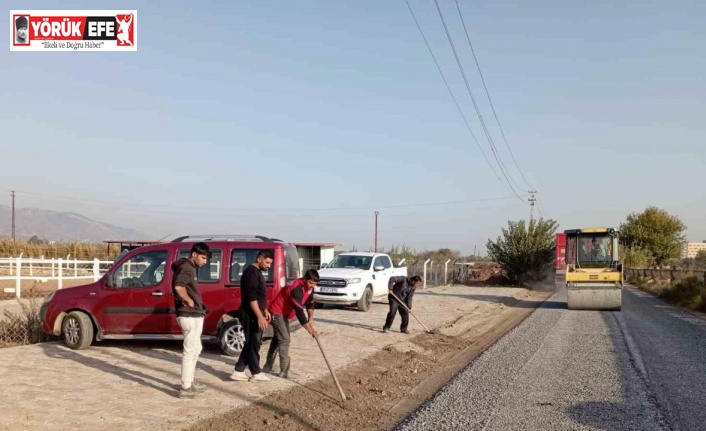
[(532, 199), (12, 193), (376, 231)]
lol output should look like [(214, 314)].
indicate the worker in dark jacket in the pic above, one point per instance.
[(254, 317), (403, 288), (190, 312), (291, 301)]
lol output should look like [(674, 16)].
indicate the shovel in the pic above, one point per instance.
[(410, 311)]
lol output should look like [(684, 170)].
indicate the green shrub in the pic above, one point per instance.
[(525, 250), (689, 293)]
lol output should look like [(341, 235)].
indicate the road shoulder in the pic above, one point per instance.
[(383, 388)]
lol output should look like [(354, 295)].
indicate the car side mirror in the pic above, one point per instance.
[(379, 268), (109, 280)]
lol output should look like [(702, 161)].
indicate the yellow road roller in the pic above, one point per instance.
[(594, 273)]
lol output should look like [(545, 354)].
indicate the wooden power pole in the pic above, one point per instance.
[(532, 199), (12, 193), (376, 231)]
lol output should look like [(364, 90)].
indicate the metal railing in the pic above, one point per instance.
[(19, 268), (671, 275)]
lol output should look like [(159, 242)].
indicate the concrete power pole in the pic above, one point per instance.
[(12, 193), (376, 231), (532, 199)]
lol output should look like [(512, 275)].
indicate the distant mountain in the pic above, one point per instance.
[(60, 226)]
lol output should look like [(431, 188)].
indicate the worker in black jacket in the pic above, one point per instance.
[(403, 288)]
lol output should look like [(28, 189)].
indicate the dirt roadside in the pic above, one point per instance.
[(385, 387)]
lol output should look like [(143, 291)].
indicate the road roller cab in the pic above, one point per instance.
[(594, 273)]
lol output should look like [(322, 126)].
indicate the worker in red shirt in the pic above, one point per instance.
[(291, 301)]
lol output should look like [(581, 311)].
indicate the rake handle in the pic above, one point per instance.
[(335, 379)]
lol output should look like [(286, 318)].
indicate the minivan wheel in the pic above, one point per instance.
[(77, 330), (366, 301), (232, 337)]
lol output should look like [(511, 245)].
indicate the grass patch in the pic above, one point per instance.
[(689, 293), (25, 327)]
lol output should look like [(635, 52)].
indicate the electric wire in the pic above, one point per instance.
[(490, 101), (453, 97), (475, 104)]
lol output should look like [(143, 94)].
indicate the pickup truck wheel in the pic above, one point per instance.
[(77, 330), (232, 337), (366, 301)]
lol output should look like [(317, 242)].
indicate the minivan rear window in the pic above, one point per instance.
[(292, 270), (240, 258), (211, 272)]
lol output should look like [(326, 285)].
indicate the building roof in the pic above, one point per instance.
[(152, 241), (316, 244), (132, 241)]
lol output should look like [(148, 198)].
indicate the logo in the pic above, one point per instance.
[(325, 282), (73, 30)]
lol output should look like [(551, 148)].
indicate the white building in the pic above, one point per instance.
[(312, 255), (690, 249)]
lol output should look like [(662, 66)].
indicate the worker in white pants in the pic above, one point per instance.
[(191, 327), (190, 312)]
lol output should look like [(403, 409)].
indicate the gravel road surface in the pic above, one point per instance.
[(643, 368)]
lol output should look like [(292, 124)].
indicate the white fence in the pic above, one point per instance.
[(19, 268)]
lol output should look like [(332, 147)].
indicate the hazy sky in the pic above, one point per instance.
[(300, 119)]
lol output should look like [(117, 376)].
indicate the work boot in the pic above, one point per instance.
[(404, 331), (239, 376), (189, 393), (260, 377), (269, 363), (198, 387), (284, 366)]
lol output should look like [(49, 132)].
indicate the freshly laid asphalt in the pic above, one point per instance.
[(642, 368)]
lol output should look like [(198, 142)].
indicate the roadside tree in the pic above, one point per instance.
[(525, 251), (700, 260), (656, 231)]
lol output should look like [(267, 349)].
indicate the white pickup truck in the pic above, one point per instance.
[(356, 278)]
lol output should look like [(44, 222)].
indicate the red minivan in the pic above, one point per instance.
[(134, 299)]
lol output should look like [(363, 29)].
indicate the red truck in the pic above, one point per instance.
[(134, 299), (560, 260)]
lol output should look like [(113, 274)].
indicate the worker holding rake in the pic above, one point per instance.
[(401, 288), (291, 301)]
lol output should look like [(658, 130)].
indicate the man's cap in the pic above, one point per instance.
[(21, 22)]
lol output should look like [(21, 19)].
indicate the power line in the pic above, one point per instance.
[(502, 132), (475, 104), (458, 107), (132, 207), (541, 209)]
